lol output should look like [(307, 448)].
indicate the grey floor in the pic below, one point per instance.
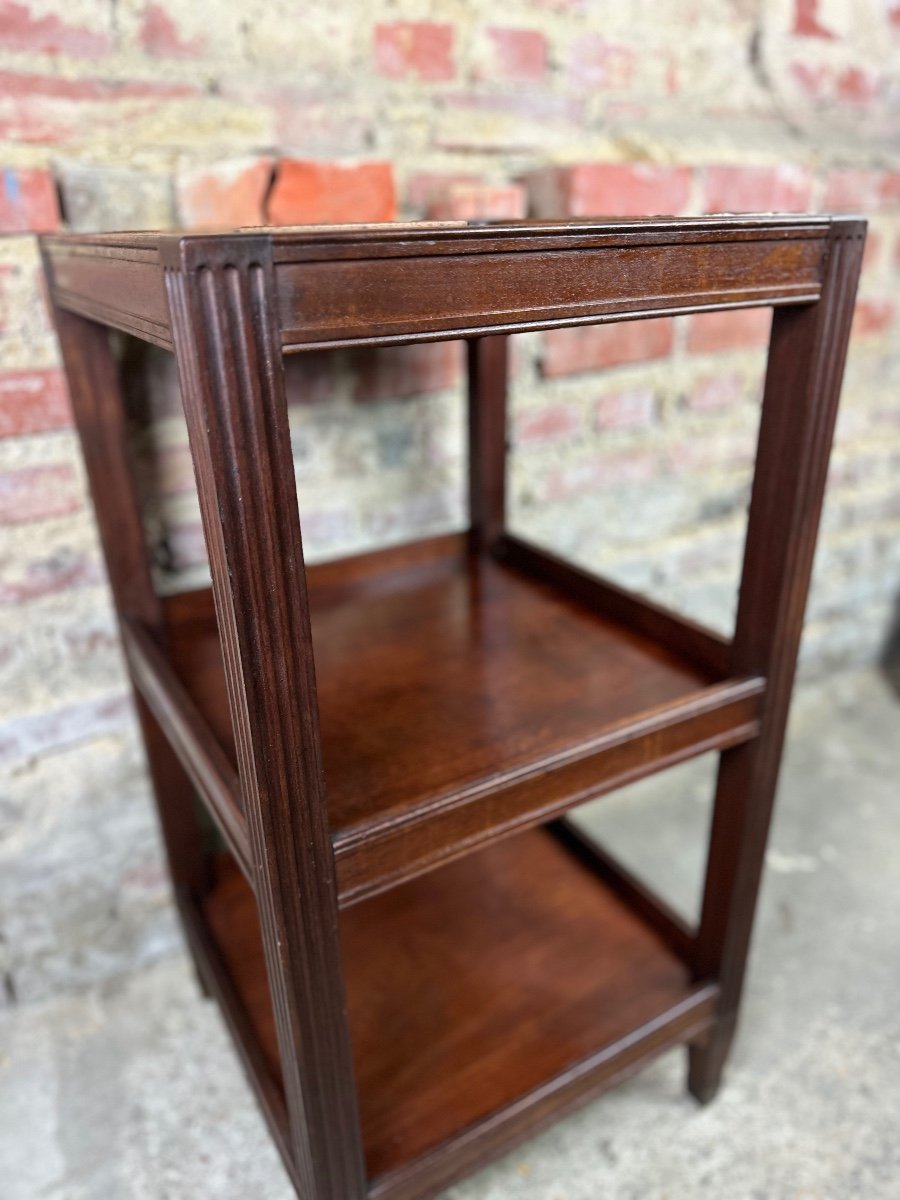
[(131, 1090)]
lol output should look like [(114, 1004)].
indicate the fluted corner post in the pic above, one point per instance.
[(806, 362), (224, 319)]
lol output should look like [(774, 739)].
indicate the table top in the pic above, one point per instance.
[(450, 231)]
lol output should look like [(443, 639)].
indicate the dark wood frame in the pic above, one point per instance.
[(230, 306)]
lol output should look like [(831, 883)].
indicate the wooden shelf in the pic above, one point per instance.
[(460, 698), (478, 1005)]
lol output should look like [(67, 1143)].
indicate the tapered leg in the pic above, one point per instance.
[(806, 362)]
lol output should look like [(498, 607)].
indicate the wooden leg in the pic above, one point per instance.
[(97, 400), (806, 360), (224, 312)]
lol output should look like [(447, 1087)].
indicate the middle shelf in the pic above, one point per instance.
[(460, 698)]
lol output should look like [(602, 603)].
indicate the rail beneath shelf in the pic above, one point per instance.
[(684, 1022), (644, 902), (679, 634), (189, 734)]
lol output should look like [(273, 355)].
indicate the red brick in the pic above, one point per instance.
[(160, 37), (597, 63), (420, 50), (479, 201), (857, 86), (518, 54), (308, 193), (785, 188), (229, 194), (608, 189), (305, 115), (713, 393), (34, 493), (552, 423), (851, 190), (889, 189), (21, 29), (394, 372), (872, 252), (33, 402), (872, 316), (28, 201), (594, 347), (630, 409), (806, 20), (14, 84), (739, 329)]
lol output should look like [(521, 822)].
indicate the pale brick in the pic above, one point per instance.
[(714, 393), (596, 62), (552, 423), (42, 733), (37, 492), (608, 471), (97, 198), (632, 408)]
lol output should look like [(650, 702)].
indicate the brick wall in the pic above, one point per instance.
[(632, 444)]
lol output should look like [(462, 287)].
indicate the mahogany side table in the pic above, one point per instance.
[(420, 959)]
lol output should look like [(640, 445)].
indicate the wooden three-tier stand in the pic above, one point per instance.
[(420, 959)]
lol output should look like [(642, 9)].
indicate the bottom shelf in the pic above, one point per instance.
[(484, 998)]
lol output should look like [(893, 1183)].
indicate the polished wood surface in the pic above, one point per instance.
[(459, 695), (469, 992), (231, 376), (803, 378), (413, 982), (344, 286)]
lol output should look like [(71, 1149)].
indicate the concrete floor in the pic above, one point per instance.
[(130, 1090)]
